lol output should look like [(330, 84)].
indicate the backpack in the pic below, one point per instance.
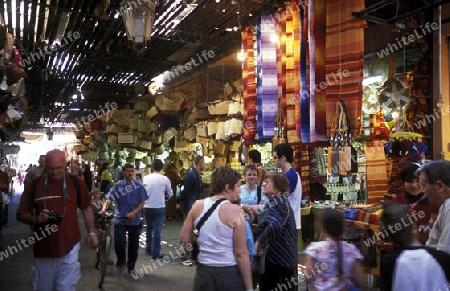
[(35, 182)]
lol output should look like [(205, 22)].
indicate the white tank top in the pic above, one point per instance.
[(215, 239)]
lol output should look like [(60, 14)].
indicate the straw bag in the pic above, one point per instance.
[(220, 134), (202, 129), (152, 112), (233, 127), (190, 133), (145, 124), (140, 107), (134, 122), (235, 108), (180, 144), (145, 144), (122, 116), (200, 110), (125, 138), (218, 108), (212, 128), (156, 138)]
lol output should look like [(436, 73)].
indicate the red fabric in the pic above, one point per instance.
[(344, 54), (58, 243), (249, 86)]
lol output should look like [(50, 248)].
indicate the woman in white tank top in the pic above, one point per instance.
[(223, 260)]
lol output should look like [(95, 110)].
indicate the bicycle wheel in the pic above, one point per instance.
[(105, 250)]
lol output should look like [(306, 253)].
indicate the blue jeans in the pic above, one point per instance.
[(155, 220), (120, 243)]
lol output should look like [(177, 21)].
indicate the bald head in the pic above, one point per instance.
[(55, 163)]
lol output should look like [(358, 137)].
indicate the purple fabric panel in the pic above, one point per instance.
[(267, 83), (304, 101)]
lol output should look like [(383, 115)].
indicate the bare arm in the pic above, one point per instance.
[(106, 206), (88, 217), (133, 213), (186, 234), (358, 274), (240, 244)]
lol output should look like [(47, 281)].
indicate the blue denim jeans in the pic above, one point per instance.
[(155, 220), (120, 243)]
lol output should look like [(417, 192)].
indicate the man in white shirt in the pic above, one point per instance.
[(138, 174), (159, 190), (435, 180)]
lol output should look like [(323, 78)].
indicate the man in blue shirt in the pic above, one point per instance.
[(130, 197), (283, 157)]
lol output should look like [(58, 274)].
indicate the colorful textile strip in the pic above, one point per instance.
[(317, 69), (376, 173), (304, 93), (267, 86), (344, 60), (249, 85)]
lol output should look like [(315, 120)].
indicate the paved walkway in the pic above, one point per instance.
[(16, 263)]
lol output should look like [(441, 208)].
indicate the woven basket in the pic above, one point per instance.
[(305, 210)]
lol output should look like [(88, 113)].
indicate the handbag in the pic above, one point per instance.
[(195, 248)]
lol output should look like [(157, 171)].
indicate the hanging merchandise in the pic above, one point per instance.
[(249, 85), (279, 136), (121, 116)]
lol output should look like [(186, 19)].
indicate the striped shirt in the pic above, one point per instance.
[(282, 239)]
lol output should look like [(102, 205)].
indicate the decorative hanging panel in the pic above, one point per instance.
[(267, 92), (249, 85), (344, 59)]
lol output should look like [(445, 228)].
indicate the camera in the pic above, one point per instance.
[(54, 217)]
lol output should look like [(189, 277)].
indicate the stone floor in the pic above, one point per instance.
[(15, 265)]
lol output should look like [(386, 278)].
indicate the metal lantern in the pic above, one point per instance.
[(138, 17), (49, 134)]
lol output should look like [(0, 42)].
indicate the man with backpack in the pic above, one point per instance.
[(49, 203)]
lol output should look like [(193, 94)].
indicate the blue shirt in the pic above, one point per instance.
[(251, 197), (292, 176), (127, 198)]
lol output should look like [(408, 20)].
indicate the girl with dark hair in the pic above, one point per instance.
[(339, 261), (414, 196)]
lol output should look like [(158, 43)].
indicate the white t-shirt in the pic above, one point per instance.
[(156, 185), (417, 270)]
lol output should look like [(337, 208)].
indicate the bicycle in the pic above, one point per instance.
[(104, 246)]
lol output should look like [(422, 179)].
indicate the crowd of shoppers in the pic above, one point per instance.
[(419, 258)]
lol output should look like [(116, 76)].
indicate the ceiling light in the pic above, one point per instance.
[(228, 29), (217, 1), (234, 2)]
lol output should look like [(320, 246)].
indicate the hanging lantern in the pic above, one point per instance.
[(138, 18), (49, 134)]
